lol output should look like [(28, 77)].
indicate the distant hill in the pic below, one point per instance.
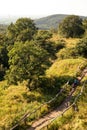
[(48, 22), (7, 20), (51, 21)]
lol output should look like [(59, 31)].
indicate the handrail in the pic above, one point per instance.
[(27, 114), (61, 114)]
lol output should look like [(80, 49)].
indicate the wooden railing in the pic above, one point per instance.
[(61, 114), (28, 114)]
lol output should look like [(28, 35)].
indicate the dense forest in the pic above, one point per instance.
[(35, 64)]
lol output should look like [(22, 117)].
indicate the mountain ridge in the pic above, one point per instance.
[(45, 23), (51, 21)]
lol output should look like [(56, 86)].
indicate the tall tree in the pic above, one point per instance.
[(3, 56), (71, 26), (22, 30), (27, 62), (81, 47)]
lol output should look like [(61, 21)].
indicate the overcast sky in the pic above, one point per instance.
[(40, 8)]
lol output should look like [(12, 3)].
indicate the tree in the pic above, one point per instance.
[(71, 26), (85, 23), (3, 56), (81, 47), (43, 35), (27, 61), (85, 26), (22, 30)]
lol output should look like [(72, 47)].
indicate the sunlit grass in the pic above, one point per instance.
[(15, 101), (73, 120), (70, 42), (65, 67)]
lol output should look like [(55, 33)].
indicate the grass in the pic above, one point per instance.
[(73, 120), (15, 101), (70, 42), (65, 67)]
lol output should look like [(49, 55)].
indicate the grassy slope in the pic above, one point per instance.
[(71, 42), (64, 67), (16, 100), (71, 120)]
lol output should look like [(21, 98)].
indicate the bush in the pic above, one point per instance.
[(71, 26), (60, 44), (66, 53), (81, 48), (49, 85)]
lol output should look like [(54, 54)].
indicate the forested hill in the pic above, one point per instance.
[(45, 23), (51, 21)]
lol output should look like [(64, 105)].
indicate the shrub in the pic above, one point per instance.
[(66, 53), (60, 44), (71, 26), (81, 48)]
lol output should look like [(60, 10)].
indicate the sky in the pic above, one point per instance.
[(40, 8)]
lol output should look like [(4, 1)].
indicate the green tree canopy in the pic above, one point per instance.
[(22, 30), (27, 61), (71, 26), (81, 47), (43, 39), (3, 56), (43, 35)]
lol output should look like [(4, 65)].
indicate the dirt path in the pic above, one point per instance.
[(37, 125)]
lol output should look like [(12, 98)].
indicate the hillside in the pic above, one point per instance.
[(45, 23), (7, 20), (38, 72), (17, 100), (51, 21)]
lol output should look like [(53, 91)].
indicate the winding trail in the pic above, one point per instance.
[(40, 123), (44, 121)]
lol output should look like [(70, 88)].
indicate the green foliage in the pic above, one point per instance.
[(60, 44), (43, 35), (73, 120), (42, 38), (22, 30), (81, 48), (85, 24), (13, 103), (3, 56), (65, 67), (62, 54), (27, 62), (71, 26)]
